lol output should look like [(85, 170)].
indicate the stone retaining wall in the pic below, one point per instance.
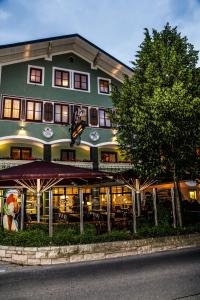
[(78, 253)]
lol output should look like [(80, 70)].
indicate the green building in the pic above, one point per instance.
[(44, 84)]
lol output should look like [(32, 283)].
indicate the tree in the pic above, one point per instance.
[(158, 109)]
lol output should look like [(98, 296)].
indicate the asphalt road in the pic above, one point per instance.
[(166, 275)]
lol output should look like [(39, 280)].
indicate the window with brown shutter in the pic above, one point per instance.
[(48, 112), (23, 109), (93, 116)]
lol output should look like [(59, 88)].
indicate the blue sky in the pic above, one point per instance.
[(114, 25)]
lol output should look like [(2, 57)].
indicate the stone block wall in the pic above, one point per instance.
[(99, 251)]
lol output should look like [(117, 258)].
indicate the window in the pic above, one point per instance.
[(61, 78), (34, 111), (68, 155), (61, 113), (104, 86), (93, 116), (108, 156), (193, 195), (35, 75), (81, 81), (11, 108), (104, 120), (20, 153)]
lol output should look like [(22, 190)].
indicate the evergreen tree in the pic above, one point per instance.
[(158, 108)]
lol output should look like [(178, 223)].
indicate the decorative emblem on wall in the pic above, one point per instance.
[(47, 132), (94, 136)]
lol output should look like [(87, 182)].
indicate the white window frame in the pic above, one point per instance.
[(28, 75), (71, 78), (98, 83), (84, 73), (53, 78)]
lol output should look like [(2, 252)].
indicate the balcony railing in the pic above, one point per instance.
[(80, 164), (103, 166), (114, 167), (8, 163)]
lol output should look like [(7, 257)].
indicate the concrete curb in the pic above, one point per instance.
[(88, 252)]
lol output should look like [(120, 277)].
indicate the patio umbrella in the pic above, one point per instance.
[(40, 176)]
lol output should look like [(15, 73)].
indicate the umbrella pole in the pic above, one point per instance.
[(134, 213), (50, 213), (38, 200), (22, 213), (81, 210), (2, 204), (108, 209)]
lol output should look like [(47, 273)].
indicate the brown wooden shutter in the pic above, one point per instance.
[(93, 116), (23, 110), (48, 112)]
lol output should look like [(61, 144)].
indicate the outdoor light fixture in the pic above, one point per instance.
[(22, 125)]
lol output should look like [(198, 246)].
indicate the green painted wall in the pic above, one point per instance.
[(12, 128), (37, 152), (81, 154), (14, 81)]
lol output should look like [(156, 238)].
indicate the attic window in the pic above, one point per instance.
[(35, 75)]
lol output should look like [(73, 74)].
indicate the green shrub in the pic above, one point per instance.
[(37, 235)]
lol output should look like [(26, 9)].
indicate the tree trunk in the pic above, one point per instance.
[(155, 206), (177, 198)]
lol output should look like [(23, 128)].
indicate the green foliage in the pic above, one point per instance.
[(38, 237), (158, 108)]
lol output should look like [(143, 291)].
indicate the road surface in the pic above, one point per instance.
[(167, 275)]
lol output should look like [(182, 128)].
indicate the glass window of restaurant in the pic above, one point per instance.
[(120, 198)]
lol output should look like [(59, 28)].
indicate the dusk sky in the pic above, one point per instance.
[(114, 25)]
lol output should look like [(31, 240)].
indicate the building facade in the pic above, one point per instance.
[(43, 83)]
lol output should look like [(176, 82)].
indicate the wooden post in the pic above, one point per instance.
[(173, 207), (155, 207), (38, 200), (81, 210), (137, 185), (50, 213), (2, 204), (134, 213), (138, 204), (22, 213), (108, 208)]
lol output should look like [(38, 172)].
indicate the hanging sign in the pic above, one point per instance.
[(77, 127)]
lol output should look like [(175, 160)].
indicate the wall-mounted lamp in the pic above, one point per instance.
[(114, 131), (22, 125)]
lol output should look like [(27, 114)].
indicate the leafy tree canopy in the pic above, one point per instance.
[(158, 108)]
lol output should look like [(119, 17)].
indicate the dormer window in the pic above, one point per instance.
[(104, 86), (35, 75)]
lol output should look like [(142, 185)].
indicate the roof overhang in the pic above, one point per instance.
[(46, 48)]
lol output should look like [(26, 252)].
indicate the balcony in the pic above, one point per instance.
[(114, 167), (8, 163), (79, 164)]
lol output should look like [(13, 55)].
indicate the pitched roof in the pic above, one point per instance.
[(47, 47)]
